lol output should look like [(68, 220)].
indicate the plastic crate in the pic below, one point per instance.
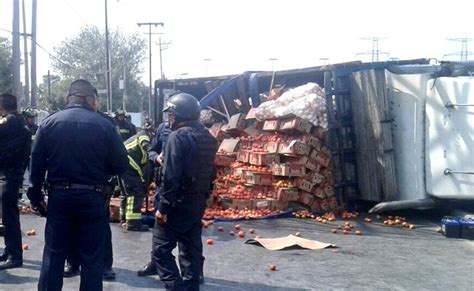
[(451, 227), (467, 228)]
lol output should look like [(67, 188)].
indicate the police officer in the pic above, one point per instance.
[(15, 142), (125, 129), (72, 267), (135, 180), (30, 115), (187, 172), (79, 149)]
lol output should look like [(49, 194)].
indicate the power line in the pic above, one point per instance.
[(375, 52), (463, 53)]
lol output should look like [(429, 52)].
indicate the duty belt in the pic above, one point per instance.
[(73, 186)]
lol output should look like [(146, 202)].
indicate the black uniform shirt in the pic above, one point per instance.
[(76, 145)]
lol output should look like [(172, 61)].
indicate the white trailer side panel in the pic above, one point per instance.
[(449, 137), (407, 96)]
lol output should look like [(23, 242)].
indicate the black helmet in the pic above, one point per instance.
[(120, 111), (30, 112), (184, 106)]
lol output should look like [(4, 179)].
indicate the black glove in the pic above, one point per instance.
[(36, 194), (38, 208)]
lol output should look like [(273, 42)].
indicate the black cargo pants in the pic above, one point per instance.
[(184, 230), (9, 187)]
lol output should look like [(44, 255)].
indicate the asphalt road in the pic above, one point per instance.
[(383, 258)]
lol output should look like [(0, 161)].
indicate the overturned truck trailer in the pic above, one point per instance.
[(400, 132)]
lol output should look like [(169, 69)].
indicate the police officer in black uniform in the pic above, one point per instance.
[(15, 143), (72, 267), (187, 172), (79, 149)]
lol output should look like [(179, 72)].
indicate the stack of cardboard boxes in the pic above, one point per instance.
[(272, 164)]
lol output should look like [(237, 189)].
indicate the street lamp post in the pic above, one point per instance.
[(206, 62), (273, 74)]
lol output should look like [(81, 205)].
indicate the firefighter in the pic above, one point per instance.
[(187, 172), (128, 119), (125, 129), (30, 115), (135, 180), (15, 143), (79, 150)]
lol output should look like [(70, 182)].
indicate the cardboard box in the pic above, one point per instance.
[(316, 178), (243, 156), (304, 184), (251, 114), (271, 147), (229, 145), (288, 170), (287, 194), (294, 147), (262, 204), (319, 132), (254, 178), (324, 204), (328, 190), (263, 159), (295, 124), (319, 192), (238, 172), (225, 159), (315, 207), (311, 141), (326, 150), (279, 205), (237, 203), (271, 125), (313, 153), (236, 123), (253, 129), (311, 164), (323, 159), (306, 198), (333, 204)]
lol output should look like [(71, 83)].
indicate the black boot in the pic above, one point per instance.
[(70, 270), (136, 225), (3, 257), (148, 270), (109, 274), (11, 263)]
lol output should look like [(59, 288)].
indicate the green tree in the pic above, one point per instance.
[(83, 56), (6, 69)]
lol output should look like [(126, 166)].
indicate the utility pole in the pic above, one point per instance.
[(34, 88), (150, 24), (16, 49), (163, 46), (49, 85), (108, 71), (375, 52), (463, 53), (25, 46)]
